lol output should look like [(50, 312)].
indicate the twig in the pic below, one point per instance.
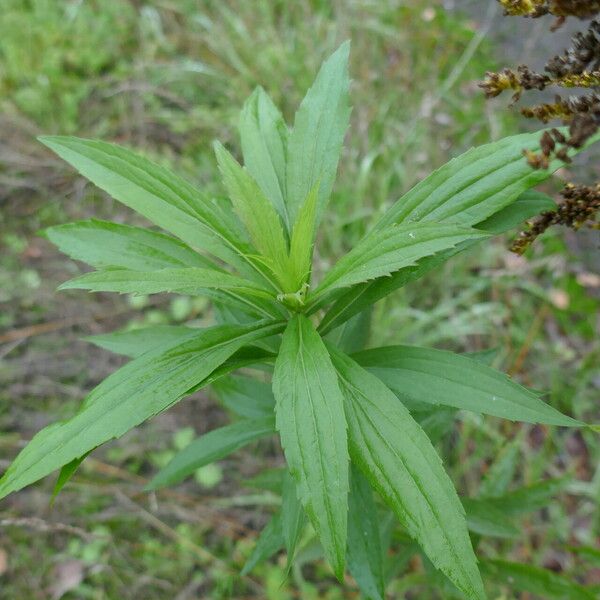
[(45, 527)]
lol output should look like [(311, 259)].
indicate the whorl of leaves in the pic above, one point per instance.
[(577, 67)]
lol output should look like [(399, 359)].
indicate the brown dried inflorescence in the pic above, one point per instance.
[(579, 208), (577, 67), (507, 79), (583, 55), (583, 9)]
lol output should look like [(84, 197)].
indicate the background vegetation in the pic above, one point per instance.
[(166, 77)]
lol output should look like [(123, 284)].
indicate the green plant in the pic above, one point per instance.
[(350, 420)]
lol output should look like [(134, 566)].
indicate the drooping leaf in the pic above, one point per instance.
[(485, 519), (442, 377), (210, 447), (264, 136), (315, 142), (135, 342), (392, 249), (399, 461), (365, 555), (292, 516), (245, 396), (141, 389), (269, 542), (475, 185), (546, 584), (310, 419), (159, 195), (256, 212), (102, 244)]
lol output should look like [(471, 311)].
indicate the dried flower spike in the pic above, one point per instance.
[(580, 208)]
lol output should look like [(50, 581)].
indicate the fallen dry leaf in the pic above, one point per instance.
[(67, 576)]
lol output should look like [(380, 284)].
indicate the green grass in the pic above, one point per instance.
[(167, 79)]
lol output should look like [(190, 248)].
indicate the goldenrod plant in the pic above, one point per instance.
[(355, 424)]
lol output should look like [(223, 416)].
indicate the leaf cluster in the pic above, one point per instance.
[(351, 422)]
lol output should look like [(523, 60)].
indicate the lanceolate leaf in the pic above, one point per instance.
[(399, 461), (315, 142), (310, 420), (442, 377), (256, 212), (475, 185), (158, 194), (541, 582), (184, 281), (365, 555), (391, 249), (264, 137), (210, 447), (141, 389), (103, 244)]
